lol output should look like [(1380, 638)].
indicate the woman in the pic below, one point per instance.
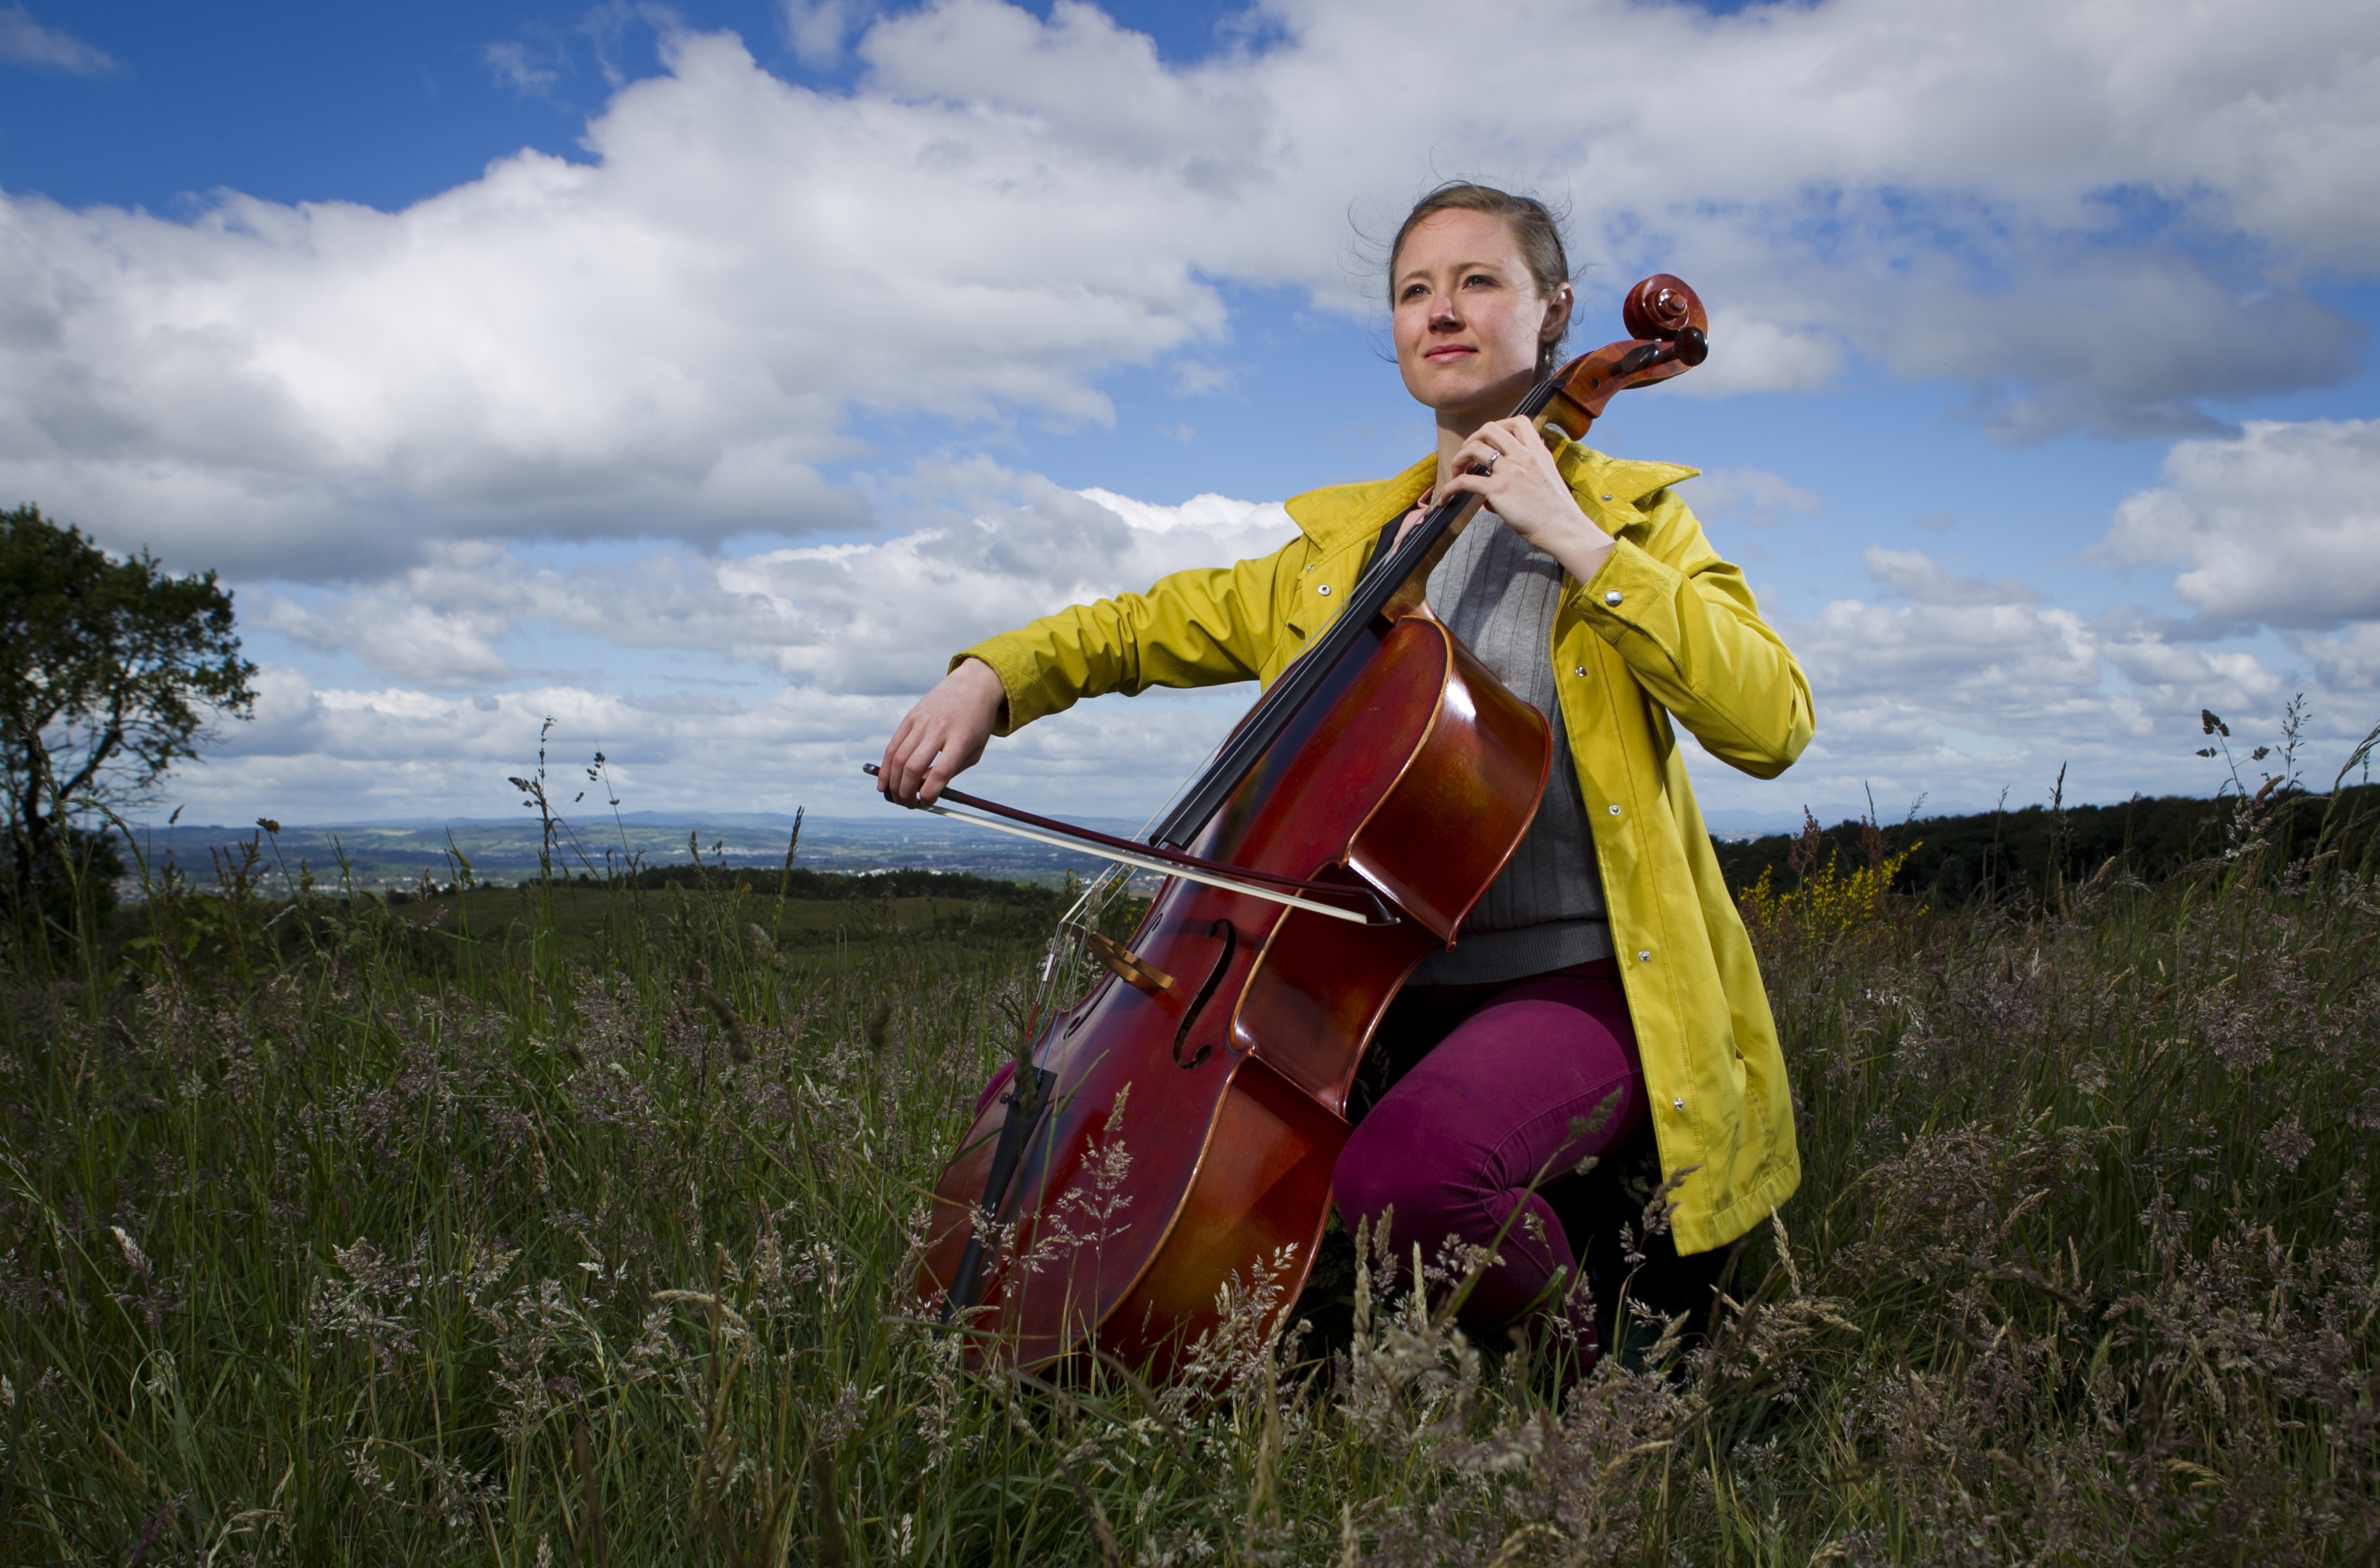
[(1604, 984)]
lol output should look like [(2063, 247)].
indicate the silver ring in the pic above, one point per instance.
[(1490, 466)]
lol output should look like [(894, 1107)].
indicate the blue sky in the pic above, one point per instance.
[(704, 375)]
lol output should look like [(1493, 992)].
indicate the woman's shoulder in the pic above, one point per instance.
[(1621, 480), (1340, 513)]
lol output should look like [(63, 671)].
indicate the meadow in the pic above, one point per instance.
[(575, 1225)]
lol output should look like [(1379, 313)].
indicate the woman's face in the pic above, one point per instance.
[(1468, 316)]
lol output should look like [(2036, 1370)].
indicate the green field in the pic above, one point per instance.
[(572, 1226)]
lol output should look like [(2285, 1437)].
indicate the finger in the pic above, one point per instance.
[(932, 754), (912, 764), (888, 767), (953, 760), (947, 766)]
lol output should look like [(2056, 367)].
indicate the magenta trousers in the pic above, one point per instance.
[(1508, 1099)]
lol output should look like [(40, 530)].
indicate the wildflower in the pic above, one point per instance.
[(134, 1258)]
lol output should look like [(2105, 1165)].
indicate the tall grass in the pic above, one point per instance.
[(338, 1232)]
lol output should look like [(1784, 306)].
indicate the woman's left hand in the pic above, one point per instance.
[(1525, 488)]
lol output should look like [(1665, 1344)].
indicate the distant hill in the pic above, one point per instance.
[(1955, 856), (1958, 856)]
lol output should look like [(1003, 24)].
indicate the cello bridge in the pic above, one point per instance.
[(1124, 963)]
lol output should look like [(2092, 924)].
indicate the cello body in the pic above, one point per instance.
[(1181, 1167)]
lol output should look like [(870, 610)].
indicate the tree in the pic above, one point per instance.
[(110, 672)]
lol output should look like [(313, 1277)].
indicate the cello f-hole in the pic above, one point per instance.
[(1231, 935)]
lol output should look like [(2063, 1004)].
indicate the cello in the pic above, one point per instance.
[(1161, 1160)]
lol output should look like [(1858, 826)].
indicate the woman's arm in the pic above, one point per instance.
[(1682, 618), (1192, 628), (1686, 622)]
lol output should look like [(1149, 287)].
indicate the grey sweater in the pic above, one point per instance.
[(1545, 910)]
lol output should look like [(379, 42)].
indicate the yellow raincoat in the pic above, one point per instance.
[(1665, 631)]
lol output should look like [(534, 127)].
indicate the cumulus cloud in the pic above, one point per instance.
[(1972, 685), (673, 336), (819, 28), (876, 618), (2278, 527), (1976, 683), (1918, 576), (2349, 662), (665, 341), (1956, 698), (327, 754), (2008, 669)]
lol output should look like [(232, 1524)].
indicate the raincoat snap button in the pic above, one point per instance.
[(1607, 498), (1580, 671), (1324, 590), (1612, 599), (1677, 1105), (1644, 957), (1614, 810)]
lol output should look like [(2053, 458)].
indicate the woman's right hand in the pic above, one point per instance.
[(943, 735)]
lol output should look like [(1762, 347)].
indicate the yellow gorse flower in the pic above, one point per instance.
[(1830, 903)]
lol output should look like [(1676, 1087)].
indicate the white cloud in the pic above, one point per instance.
[(878, 618), (1755, 355), (28, 42), (669, 339), (884, 617), (1752, 498), (332, 755), (518, 66), (2349, 662), (408, 639), (818, 28), (1919, 578), (1955, 699), (2011, 669), (1972, 686), (2280, 525)]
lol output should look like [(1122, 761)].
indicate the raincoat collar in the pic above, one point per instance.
[(1333, 517)]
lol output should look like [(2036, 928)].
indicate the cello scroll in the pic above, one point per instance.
[(1671, 337)]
